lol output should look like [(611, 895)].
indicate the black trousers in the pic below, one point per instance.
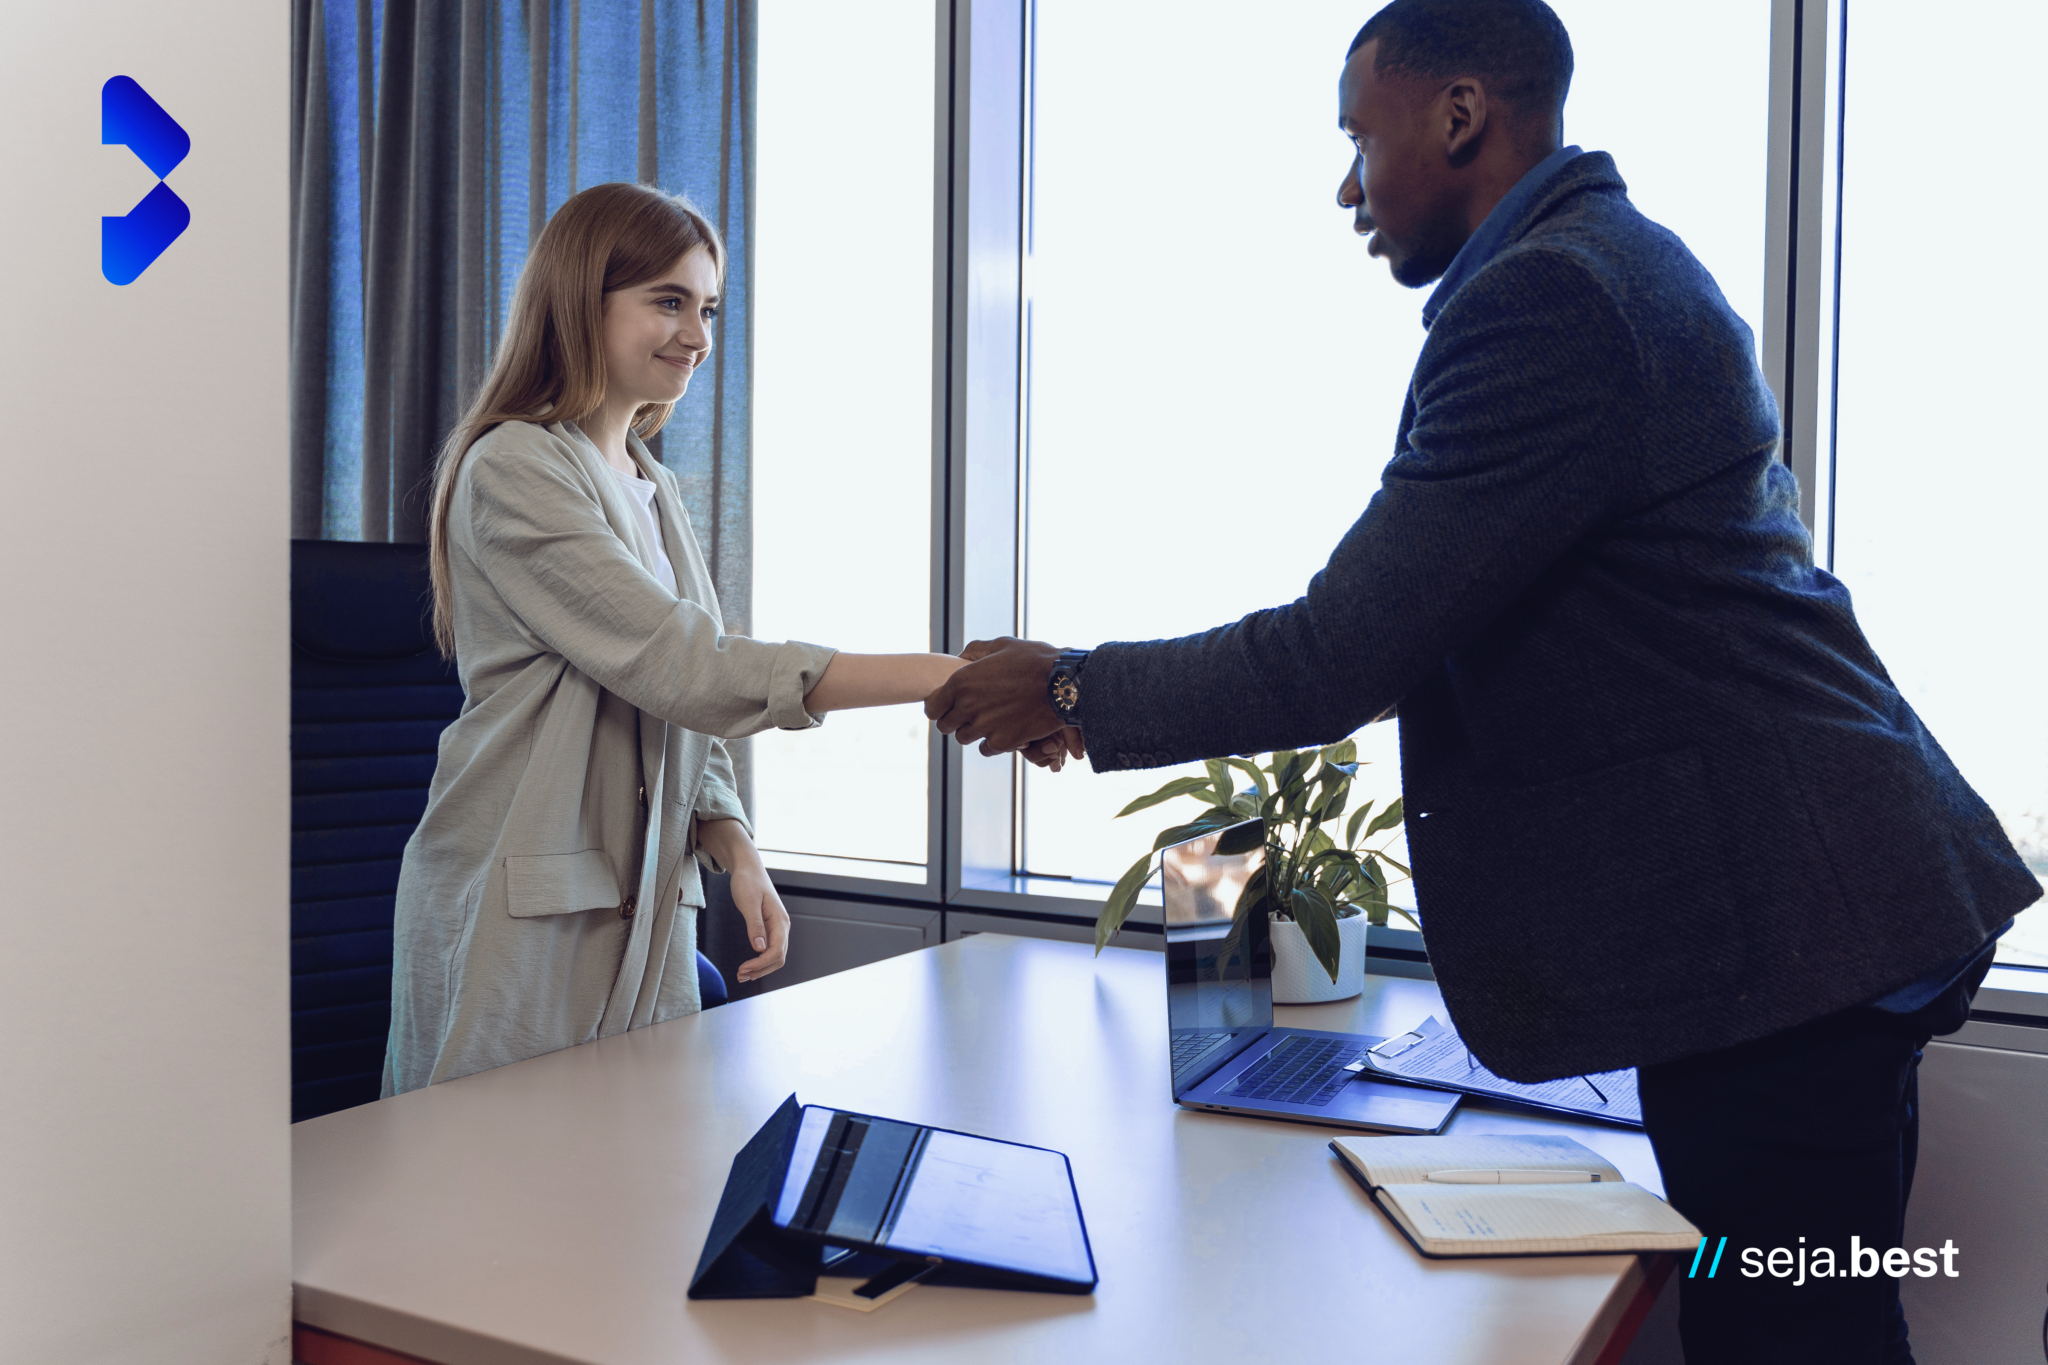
[(1800, 1140)]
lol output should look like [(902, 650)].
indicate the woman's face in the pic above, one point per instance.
[(657, 333)]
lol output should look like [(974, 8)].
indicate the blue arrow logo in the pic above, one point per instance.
[(130, 118)]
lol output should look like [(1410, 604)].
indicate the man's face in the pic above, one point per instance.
[(1400, 188)]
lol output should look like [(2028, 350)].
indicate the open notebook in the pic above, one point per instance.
[(1606, 1215)]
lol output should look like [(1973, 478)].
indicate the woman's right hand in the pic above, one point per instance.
[(1053, 751)]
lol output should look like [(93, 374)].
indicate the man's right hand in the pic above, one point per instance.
[(999, 696)]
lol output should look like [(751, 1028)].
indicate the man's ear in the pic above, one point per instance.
[(1462, 110)]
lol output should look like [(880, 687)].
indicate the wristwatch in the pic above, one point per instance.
[(1063, 688)]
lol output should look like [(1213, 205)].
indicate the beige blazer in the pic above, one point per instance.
[(538, 902)]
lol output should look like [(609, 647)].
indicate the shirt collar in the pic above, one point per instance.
[(1482, 246)]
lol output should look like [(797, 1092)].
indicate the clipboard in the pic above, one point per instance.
[(1432, 1054), (827, 1191)]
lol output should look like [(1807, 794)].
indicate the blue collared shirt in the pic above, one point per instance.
[(1483, 245)]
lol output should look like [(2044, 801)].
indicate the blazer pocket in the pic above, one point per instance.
[(561, 883)]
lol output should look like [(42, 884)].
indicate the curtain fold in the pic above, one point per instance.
[(430, 141)]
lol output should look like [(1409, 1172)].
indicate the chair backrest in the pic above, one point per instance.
[(370, 697)]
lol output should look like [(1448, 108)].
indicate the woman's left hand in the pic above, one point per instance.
[(753, 894), (767, 920)]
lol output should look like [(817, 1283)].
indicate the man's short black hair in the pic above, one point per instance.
[(1518, 47)]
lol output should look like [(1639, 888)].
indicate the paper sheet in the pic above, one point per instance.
[(1554, 1214)]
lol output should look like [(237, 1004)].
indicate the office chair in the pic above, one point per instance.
[(370, 697)]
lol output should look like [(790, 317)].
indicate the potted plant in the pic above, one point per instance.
[(1319, 894)]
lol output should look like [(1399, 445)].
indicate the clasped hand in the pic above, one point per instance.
[(999, 698)]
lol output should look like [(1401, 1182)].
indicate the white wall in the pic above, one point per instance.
[(144, 1196)]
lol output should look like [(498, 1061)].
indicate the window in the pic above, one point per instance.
[(1941, 468), (1160, 338), (843, 413), (1212, 353)]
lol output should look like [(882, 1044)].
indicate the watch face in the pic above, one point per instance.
[(1066, 692)]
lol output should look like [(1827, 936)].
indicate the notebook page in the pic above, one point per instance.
[(1479, 1214), (1409, 1160)]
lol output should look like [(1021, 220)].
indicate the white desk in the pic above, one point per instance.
[(553, 1210)]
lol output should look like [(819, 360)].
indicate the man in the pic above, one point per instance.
[(1666, 809)]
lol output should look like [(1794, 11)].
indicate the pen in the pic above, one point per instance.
[(1535, 1176)]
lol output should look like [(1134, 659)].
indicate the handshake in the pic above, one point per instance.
[(999, 697)]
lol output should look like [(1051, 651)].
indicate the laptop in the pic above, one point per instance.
[(1228, 1055)]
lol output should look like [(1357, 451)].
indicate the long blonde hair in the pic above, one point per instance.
[(550, 365)]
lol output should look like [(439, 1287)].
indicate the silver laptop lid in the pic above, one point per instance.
[(1219, 972)]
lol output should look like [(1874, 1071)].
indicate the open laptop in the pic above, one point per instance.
[(1227, 1053)]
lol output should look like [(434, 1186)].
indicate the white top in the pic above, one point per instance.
[(643, 502)]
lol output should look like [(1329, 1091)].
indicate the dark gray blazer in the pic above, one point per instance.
[(1662, 797)]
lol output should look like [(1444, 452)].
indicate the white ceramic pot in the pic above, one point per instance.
[(1298, 979)]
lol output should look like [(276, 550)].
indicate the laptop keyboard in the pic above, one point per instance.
[(1299, 1071)]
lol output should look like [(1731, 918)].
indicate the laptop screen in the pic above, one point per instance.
[(1219, 973)]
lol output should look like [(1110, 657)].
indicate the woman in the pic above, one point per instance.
[(548, 896)]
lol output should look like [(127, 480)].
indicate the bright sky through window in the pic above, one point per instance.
[(842, 404), (1217, 367)]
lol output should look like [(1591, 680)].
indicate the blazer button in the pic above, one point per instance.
[(626, 910)]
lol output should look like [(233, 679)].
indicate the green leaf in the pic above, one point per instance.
[(1389, 817), (1289, 768), (1331, 803), (1195, 828), (1344, 751), (1241, 838), (1318, 921), (1253, 771), (1219, 779), (1254, 892), (1357, 819), (1246, 803), (1180, 786), (1401, 867), (1122, 897), (1329, 853), (1250, 901), (1269, 807)]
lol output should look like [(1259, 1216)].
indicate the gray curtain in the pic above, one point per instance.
[(430, 141)]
